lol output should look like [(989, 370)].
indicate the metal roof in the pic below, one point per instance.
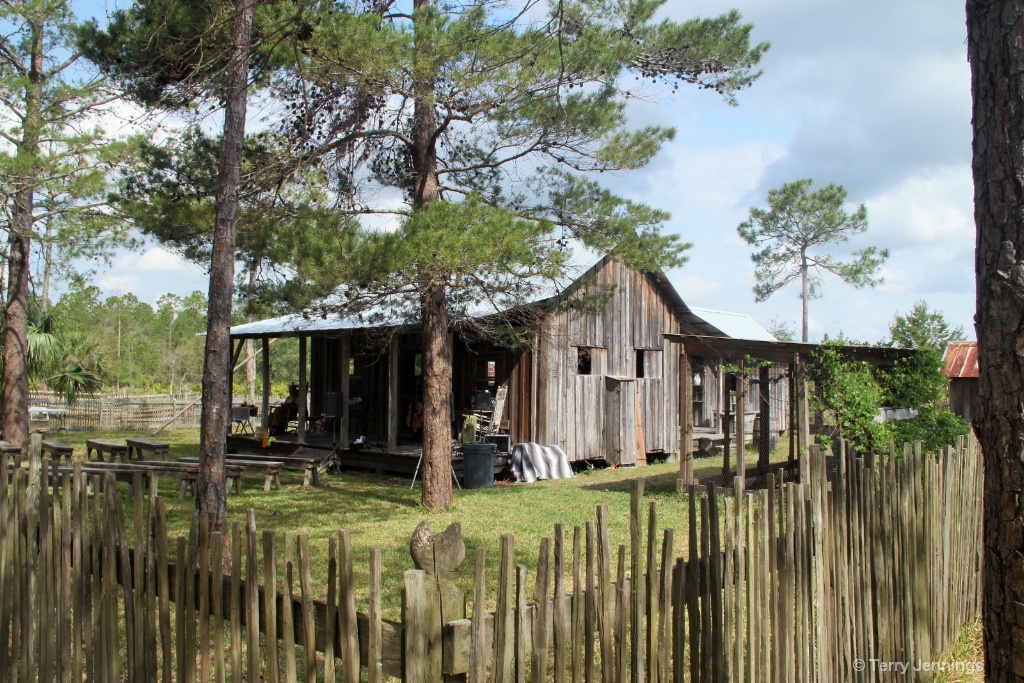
[(702, 321), (735, 325), (296, 324), (961, 360), (727, 348)]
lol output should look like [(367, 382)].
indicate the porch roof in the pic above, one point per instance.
[(781, 352)]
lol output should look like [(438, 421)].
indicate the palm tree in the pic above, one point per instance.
[(67, 363)]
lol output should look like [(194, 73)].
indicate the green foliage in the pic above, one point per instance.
[(53, 144), (922, 328), (933, 428), (66, 363), (916, 382), (851, 393), (518, 111), (782, 330), (848, 393), (791, 232)]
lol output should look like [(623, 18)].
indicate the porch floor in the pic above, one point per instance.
[(401, 460)]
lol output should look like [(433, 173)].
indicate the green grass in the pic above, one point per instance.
[(380, 510)]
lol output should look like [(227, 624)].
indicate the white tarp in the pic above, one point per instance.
[(531, 461)]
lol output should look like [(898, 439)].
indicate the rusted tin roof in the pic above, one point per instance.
[(961, 360)]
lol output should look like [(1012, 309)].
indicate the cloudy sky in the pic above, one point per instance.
[(872, 95)]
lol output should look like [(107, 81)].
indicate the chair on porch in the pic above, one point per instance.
[(494, 424), (241, 419)]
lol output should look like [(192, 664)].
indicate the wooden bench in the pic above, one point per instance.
[(270, 469), (157, 448), (101, 447), (186, 472), (310, 467), (58, 449), (9, 450)]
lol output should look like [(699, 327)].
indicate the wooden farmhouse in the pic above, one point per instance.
[(600, 381)]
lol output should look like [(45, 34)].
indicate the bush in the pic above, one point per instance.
[(933, 428)]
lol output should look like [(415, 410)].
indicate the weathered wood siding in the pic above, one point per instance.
[(602, 416)]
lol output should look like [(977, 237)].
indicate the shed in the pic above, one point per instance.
[(961, 367)]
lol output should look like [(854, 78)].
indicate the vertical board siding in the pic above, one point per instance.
[(590, 417)]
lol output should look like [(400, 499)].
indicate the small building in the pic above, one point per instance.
[(961, 367), (600, 381)]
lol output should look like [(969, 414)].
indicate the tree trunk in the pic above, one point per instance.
[(250, 363), (437, 383), (211, 494), (997, 82), (15, 394), (804, 296), (437, 362)]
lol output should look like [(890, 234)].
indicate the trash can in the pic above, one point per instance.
[(478, 463)]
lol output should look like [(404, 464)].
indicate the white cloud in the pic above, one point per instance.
[(150, 273)]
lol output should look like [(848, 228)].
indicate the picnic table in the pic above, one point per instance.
[(309, 466), (137, 446), (100, 446), (58, 449), (9, 450), (186, 472), (271, 469)]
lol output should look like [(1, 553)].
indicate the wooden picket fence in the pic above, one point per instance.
[(828, 580), (122, 411)]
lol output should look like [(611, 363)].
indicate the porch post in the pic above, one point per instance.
[(393, 393), (346, 356), (231, 377), (803, 419), (686, 421), (303, 390), (726, 422), (741, 418), (791, 426), (265, 407), (765, 440)]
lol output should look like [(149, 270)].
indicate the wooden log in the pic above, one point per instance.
[(504, 625), (653, 586), (217, 597), (637, 572), (235, 608), (561, 613), (590, 611), (693, 591), (252, 605), (414, 607), (665, 608), (308, 613), (576, 627), (331, 622), (605, 595), (270, 606), (479, 652), (347, 611), (205, 656), (520, 624), (542, 590), (287, 610), (375, 649)]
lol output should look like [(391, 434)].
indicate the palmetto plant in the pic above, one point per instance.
[(67, 363)]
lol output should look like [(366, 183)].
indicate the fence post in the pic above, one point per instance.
[(414, 611)]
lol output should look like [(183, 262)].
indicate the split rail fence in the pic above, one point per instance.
[(875, 562)]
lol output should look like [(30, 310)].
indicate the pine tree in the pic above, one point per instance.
[(996, 57), (790, 233), (472, 126), (52, 152)]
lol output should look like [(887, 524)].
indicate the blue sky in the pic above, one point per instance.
[(871, 95)]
